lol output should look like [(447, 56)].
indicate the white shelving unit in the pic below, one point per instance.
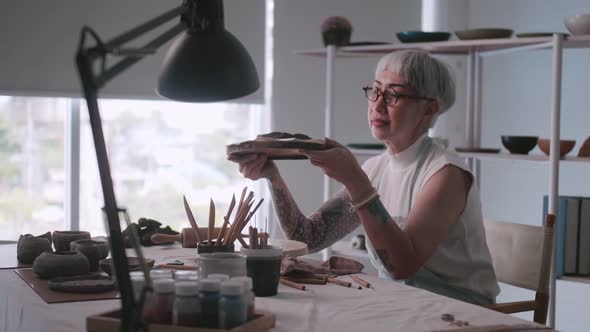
[(475, 50)]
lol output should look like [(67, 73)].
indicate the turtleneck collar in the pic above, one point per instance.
[(409, 156)]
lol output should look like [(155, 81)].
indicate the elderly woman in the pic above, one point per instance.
[(417, 202)]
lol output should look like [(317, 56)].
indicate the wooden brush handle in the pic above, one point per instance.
[(292, 284), (160, 238)]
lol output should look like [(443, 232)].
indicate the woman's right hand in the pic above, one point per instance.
[(255, 166)]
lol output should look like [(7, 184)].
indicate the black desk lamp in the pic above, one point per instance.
[(204, 64)]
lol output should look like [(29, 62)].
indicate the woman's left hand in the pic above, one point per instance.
[(337, 162)]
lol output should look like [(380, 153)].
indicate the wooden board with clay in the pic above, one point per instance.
[(277, 146)]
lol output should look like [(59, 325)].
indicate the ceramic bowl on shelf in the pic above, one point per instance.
[(484, 33), (422, 36), (565, 146), (585, 148), (519, 144), (578, 24)]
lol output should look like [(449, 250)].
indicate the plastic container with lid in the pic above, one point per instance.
[(209, 300), (233, 309), (187, 305), (160, 274), (184, 275), (248, 294), (222, 277), (232, 264), (159, 308)]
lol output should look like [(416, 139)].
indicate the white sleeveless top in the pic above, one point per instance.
[(462, 262)]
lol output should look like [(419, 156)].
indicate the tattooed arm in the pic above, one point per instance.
[(330, 223), (327, 225), (437, 208)]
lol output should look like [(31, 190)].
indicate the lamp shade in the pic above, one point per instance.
[(207, 66)]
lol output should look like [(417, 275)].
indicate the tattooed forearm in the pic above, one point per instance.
[(385, 258), (325, 226), (377, 209)]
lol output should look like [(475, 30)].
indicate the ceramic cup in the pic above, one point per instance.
[(232, 264), (103, 246), (62, 239), (264, 267), (93, 254)]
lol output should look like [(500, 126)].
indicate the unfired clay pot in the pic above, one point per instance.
[(30, 247), (62, 239), (103, 246), (60, 264), (92, 253)]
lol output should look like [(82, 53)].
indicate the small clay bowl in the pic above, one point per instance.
[(30, 247), (103, 246), (60, 264), (92, 252), (62, 239), (106, 265), (565, 146)]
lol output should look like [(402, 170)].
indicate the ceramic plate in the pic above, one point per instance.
[(367, 43), (480, 150)]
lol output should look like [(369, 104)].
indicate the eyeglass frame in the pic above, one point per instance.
[(395, 95)]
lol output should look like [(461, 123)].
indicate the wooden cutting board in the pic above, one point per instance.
[(42, 288), (8, 257)]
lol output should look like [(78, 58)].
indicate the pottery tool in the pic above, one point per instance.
[(339, 282), (308, 280), (191, 218), (226, 220), (362, 282), (211, 221), (187, 237), (177, 267), (292, 284)]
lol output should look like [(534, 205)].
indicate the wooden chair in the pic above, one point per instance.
[(521, 255)]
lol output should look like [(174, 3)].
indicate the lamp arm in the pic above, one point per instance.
[(110, 73), (91, 83)]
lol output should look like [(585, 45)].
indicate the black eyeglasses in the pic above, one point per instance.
[(390, 97)]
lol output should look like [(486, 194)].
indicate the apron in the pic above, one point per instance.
[(424, 278)]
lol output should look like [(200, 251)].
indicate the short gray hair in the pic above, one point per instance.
[(427, 75)]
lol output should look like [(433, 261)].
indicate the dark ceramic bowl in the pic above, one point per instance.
[(519, 144), (422, 37), (132, 262), (62, 239)]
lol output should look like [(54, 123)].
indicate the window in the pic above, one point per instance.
[(31, 165), (158, 151)]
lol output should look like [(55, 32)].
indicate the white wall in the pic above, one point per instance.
[(298, 89), (516, 97), (517, 101)]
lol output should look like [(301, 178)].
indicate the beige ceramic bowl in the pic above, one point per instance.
[(578, 24)]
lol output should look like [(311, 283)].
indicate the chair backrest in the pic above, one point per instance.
[(517, 252)]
